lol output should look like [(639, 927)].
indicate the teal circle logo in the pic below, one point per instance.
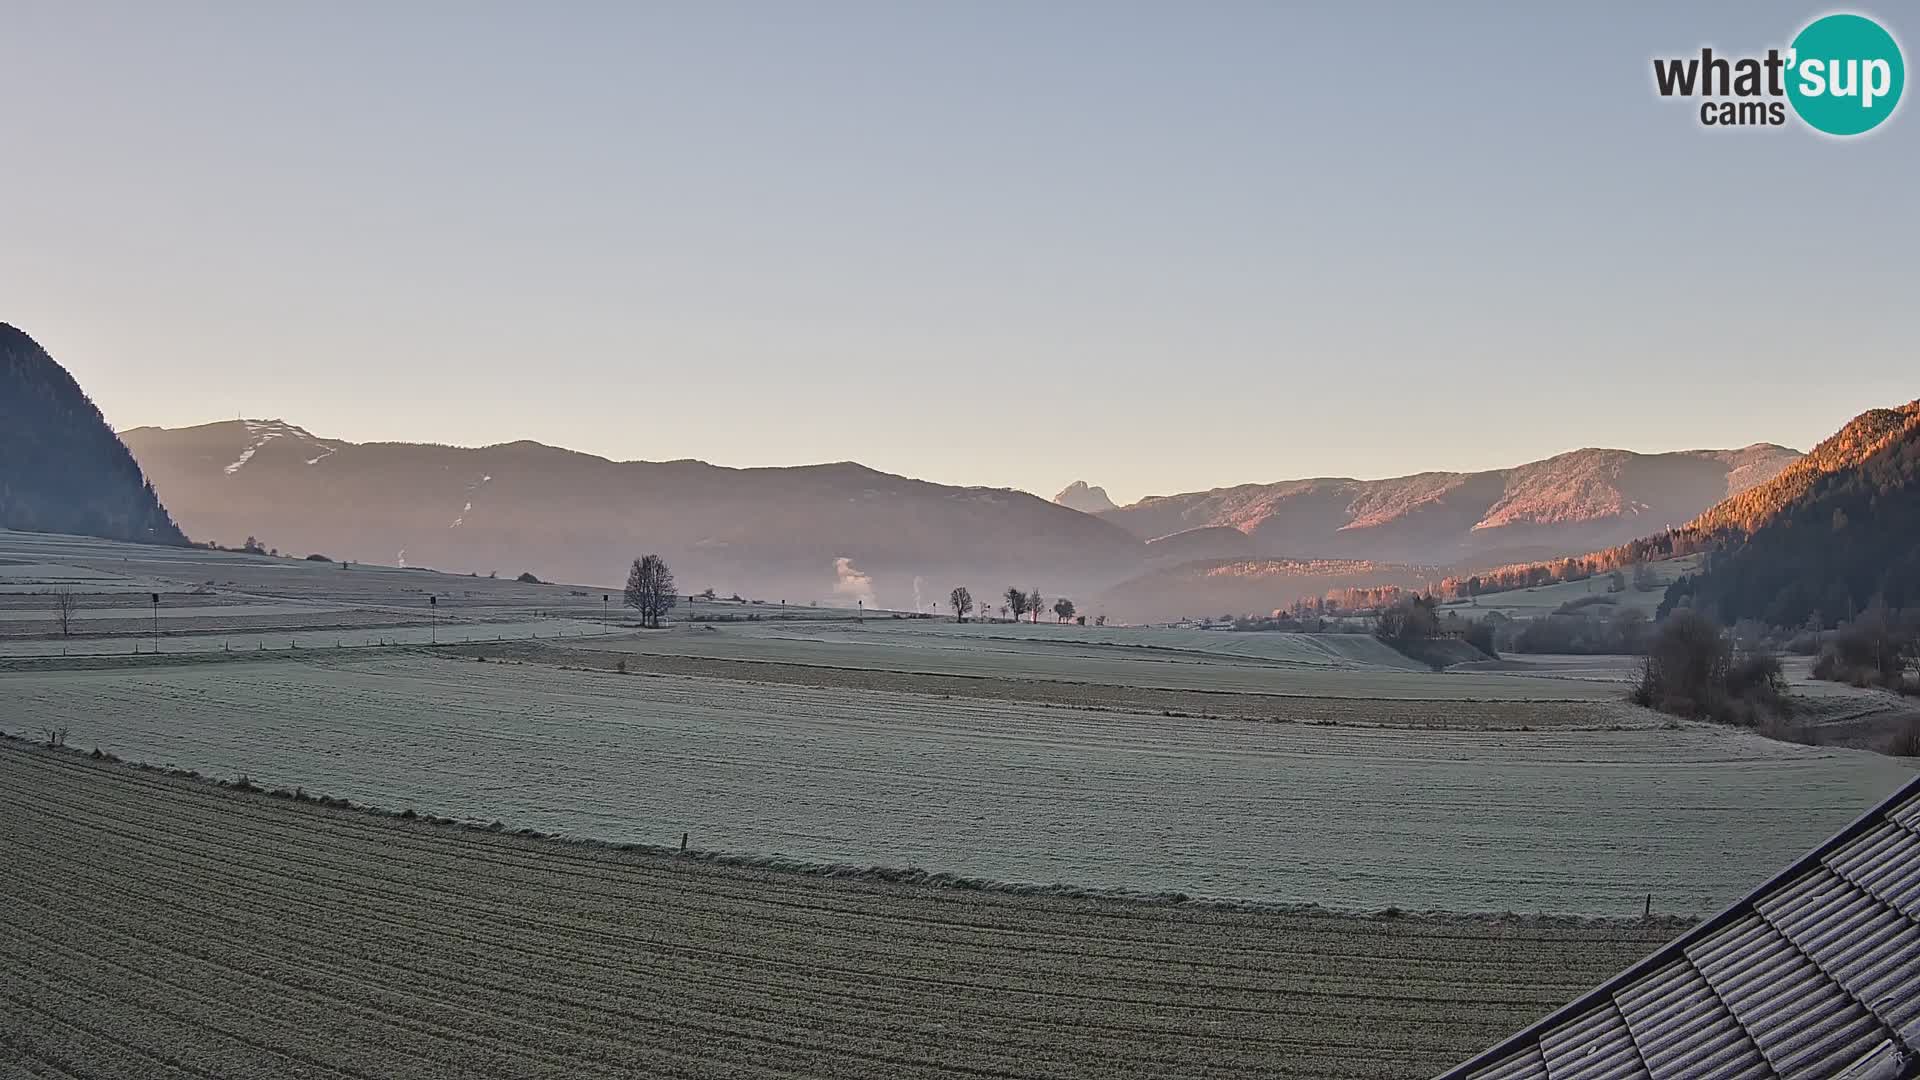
[(1845, 74)]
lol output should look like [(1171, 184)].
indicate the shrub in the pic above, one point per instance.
[(526, 578), (1571, 606), (1604, 630), (317, 557), (1906, 743), (1757, 674), (1686, 668), (1873, 650), (1691, 670), (1480, 635)]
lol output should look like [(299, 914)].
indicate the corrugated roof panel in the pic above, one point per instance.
[(1528, 1064), (1807, 978), (1885, 861), (1864, 945), (1802, 1021), (1596, 1046), (1684, 1032)]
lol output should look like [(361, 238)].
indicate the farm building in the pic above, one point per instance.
[(1816, 974)]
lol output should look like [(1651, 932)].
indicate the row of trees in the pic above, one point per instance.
[(1018, 604), (1615, 562)]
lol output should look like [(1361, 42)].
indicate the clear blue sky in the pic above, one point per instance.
[(1158, 246)]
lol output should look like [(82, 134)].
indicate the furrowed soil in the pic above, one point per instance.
[(159, 926)]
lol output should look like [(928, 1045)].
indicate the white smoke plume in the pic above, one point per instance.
[(919, 604), (851, 584)]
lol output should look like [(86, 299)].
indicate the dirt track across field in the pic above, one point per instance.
[(159, 926), (1443, 713)]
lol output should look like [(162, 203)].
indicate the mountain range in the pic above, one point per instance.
[(61, 467), (1789, 536), (837, 532), (1572, 502), (843, 532)]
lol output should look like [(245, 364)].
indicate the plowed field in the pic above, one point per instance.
[(161, 927)]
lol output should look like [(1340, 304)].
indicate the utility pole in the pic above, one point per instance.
[(156, 622), (433, 627), (606, 613)]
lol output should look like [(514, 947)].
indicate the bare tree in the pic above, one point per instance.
[(1016, 603), (650, 590), (1034, 602), (65, 603), (962, 601), (1099, 620), (1003, 611), (1063, 609)]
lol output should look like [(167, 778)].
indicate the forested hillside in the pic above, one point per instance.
[(1829, 544), (1862, 437), (1573, 502), (62, 469)]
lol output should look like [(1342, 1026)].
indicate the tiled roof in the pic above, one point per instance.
[(1814, 975)]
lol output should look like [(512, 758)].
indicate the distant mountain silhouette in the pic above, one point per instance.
[(1825, 538), (62, 469), (1570, 503), (1087, 500), (835, 533)]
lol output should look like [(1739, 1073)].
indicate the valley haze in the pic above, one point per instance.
[(798, 533)]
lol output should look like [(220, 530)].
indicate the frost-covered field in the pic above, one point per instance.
[(155, 922), (1570, 822), (308, 637), (1263, 663)]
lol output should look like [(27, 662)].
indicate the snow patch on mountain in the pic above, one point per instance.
[(262, 432), (468, 509)]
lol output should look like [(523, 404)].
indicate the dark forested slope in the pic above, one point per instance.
[(1828, 541), (62, 469)]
